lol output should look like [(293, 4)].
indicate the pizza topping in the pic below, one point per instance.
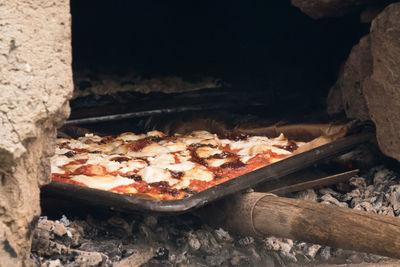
[(103, 182), (291, 146), (120, 159), (233, 165), (176, 175), (163, 187), (138, 145), (206, 151), (135, 177), (199, 173), (70, 154), (163, 167), (155, 174), (233, 136), (222, 155), (195, 158)]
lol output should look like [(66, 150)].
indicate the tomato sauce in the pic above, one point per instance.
[(198, 185), (55, 177), (91, 170)]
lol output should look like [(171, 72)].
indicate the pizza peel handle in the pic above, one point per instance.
[(264, 214)]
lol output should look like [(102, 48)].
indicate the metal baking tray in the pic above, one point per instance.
[(273, 171)]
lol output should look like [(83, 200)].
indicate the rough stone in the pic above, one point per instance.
[(332, 8), (347, 93), (358, 66), (368, 85), (35, 85), (381, 89)]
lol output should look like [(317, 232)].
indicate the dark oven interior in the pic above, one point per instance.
[(162, 61)]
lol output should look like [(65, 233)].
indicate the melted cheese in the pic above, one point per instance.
[(182, 184), (174, 146), (154, 149), (163, 160), (206, 151), (154, 174), (130, 137), (90, 138), (132, 166), (106, 182), (198, 173), (258, 144), (155, 133), (62, 150), (217, 162), (181, 167)]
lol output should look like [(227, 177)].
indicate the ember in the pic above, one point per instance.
[(186, 240)]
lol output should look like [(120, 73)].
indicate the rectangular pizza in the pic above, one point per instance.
[(164, 167)]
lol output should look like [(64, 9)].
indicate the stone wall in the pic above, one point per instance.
[(35, 85), (369, 84)]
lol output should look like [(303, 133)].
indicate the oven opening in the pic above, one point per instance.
[(259, 133)]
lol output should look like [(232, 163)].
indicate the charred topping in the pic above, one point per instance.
[(291, 146), (135, 177), (175, 174), (222, 155), (64, 145), (120, 159), (70, 154), (233, 136), (195, 158), (233, 165), (164, 187), (197, 145), (138, 145), (153, 139), (107, 139), (188, 190), (81, 150), (145, 160)]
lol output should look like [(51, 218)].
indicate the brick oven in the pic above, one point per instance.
[(138, 66)]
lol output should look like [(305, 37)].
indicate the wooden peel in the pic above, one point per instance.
[(325, 181), (264, 214)]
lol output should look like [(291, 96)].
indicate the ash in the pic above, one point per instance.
[(184, 240)]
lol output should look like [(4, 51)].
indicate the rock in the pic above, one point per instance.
[(334, 101), (370, 13), (330, 8), (245, 241), (222, 235), (325, 253), (136, 259), (381, 88), (53, 238), (34, 92), (347, 93), (194, 243), (371, 78), (357, 67), (150, 221), (54, 263), (84, 258), (308, 195)]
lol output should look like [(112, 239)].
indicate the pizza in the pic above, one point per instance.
[(164, 167)]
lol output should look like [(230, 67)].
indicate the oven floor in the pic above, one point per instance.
[(104, 237)]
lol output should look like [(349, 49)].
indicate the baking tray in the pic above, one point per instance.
[(273, 171)]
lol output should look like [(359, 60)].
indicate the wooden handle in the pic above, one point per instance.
[(262, 215)]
